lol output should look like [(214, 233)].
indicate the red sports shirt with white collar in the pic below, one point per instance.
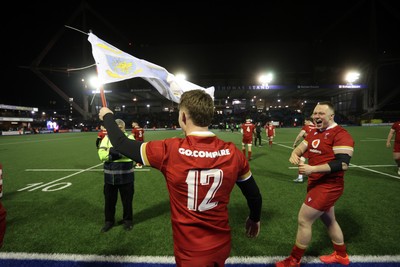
[(201, 171), (321, 149)]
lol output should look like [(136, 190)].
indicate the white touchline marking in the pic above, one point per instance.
[(389, 259)]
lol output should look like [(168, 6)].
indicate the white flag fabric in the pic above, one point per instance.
[(114, 65)]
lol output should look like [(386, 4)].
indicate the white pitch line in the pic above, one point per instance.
[(290, 147), (368, 169), (77, 171), (65, 177), (374, 166), (359, 166), (378, 172), (364, 167)]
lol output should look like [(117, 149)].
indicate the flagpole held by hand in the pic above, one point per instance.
[(103, 97), (102, 94)]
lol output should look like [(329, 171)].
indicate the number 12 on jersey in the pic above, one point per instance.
[(197, 178)]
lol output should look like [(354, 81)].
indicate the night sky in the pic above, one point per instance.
[(205, 39)]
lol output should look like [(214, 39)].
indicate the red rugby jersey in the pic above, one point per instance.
[(396, 128), (138, 133), (307, 129), (270, 130), (101, 134), (321, 147), (248, 130), (200, 171)]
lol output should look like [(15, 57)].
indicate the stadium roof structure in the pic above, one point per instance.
[(308, 63)]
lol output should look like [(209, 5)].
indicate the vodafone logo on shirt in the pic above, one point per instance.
[(315, 143)]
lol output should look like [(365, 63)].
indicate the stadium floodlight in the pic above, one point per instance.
[(94, 82), (265, 79), (180, 76), (351, 77)]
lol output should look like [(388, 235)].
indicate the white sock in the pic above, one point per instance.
[(300, 176)]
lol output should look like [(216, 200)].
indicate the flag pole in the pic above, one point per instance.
[(103, 97), (102, 94)]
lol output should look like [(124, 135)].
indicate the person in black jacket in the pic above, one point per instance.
[(258, 134)]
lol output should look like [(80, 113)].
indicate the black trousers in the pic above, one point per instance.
[(258, 137), (110, 201)]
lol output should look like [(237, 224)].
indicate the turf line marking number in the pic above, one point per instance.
[(50, 185)]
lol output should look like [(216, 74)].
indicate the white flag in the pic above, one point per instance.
[(114, 65)]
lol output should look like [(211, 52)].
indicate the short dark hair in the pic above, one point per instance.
[(329, 104)]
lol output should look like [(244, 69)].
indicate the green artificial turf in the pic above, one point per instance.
[(52, 190)]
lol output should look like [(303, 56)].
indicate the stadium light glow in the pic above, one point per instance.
[(351, 77), (265, 79), (180, 76), (94, 82)]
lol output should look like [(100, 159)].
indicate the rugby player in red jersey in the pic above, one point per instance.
[(200, 171), (395, 131), (330, 148), (247, 129), (270, 132)]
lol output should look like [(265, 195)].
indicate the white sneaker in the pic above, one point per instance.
[(298, 180), (138, 166)]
